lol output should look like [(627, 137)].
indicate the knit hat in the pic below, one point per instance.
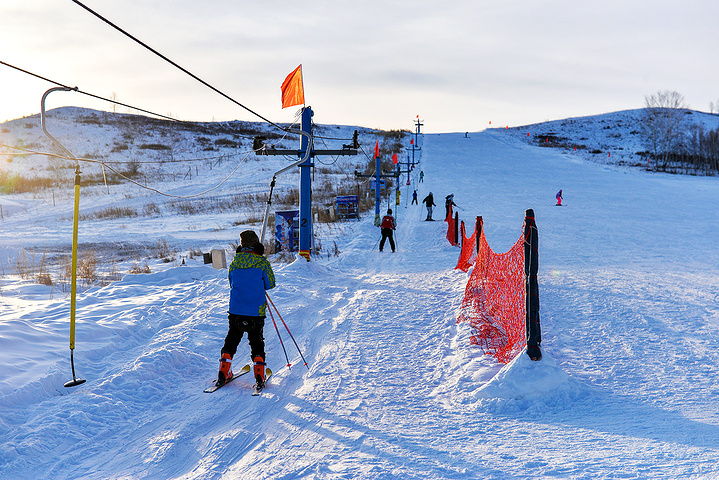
[(248, 238)]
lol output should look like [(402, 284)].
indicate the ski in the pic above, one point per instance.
[(215, 386), (256, 391)]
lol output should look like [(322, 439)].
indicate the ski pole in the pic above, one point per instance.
[(376, 243), (289, 365), (288, 330)]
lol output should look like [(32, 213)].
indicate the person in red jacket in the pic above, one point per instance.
[(388, 225)]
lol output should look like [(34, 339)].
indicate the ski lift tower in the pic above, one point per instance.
[(306, 230)]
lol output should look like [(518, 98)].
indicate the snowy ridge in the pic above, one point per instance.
[(626, 388), (611, 138)]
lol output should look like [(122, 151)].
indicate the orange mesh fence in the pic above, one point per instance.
[(494, 303), (469, 250), (450, 226)]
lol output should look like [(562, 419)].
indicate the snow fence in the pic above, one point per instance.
[(501, 299)]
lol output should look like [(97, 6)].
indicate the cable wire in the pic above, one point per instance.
[(99, 162), (89, 94), (175, 64)]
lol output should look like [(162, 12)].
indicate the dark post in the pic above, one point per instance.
[(478, 229), (456, 228), (531, 267)]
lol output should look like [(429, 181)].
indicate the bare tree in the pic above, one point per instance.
[(663, 125), (113, 105)]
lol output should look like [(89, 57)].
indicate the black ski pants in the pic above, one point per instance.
[(386, 235), (254, 326)]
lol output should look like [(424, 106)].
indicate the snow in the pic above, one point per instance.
[(626, 388)]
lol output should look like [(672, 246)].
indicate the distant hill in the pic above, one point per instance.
[(610, 138)]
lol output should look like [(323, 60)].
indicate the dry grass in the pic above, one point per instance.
[(140, 268)]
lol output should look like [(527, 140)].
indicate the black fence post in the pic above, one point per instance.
[(478, 230), (531, 267), (456, 228)]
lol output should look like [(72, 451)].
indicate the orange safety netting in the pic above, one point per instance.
[(494, 303), (450, 227), (469, 250)]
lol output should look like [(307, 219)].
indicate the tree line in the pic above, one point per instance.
[(674, 143)]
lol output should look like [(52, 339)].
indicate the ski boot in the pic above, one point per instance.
[(259, 372), (225, 372)]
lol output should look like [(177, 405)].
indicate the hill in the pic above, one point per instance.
[(626, 388), (611, 138)]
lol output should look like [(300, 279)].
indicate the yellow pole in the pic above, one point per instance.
[(73, 287)]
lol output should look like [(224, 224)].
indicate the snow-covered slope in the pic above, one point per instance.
[(628, 291)]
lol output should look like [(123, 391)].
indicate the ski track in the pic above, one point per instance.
[(393, 390)]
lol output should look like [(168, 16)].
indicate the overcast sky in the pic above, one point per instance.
[(457, 64)]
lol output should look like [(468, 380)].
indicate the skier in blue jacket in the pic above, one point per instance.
[(250, 274)]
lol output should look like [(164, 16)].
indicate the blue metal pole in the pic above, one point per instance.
[(306, 188), (378, 179)]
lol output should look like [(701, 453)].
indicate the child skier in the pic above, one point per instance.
[(559, 198), (250, 274)]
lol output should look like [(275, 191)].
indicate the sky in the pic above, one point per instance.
[(458, 65)]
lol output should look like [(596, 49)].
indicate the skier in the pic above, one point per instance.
[(559, 198), (414, 197), (429, 202), (421, 176), (448, 202), (388, 226), (250, 274)]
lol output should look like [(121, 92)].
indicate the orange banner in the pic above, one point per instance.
[(293, 90)]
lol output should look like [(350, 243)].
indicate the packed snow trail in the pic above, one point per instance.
[(626, 388)]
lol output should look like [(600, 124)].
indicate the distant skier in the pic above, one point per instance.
[(429, 202), (448, 202), (250, 274), (421, 176), (414, 198), (388, 226), (559, 198)]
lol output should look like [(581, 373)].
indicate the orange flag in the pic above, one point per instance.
[(293, 90), (394, 159), (376, 150)]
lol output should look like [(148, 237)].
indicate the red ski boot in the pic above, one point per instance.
[(259, 372), (225, 372)]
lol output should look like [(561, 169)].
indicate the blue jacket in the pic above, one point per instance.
[(250, 275)]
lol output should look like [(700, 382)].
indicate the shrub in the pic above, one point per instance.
[(154, 146), (137, 268)]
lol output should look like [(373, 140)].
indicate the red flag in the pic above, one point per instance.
[(394, 159), (411, 141), (376, 150), (293, 90)]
